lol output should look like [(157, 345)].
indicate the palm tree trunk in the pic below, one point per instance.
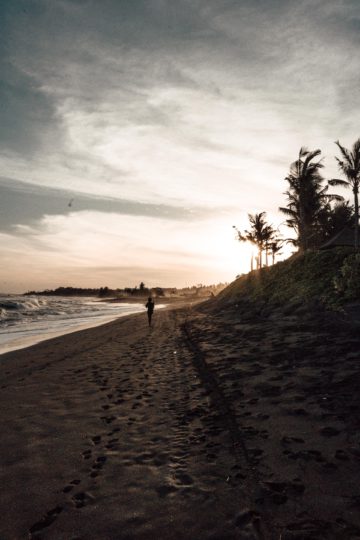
[(356, 201), (302, 236)]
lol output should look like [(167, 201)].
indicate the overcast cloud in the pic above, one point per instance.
[(174, 111)]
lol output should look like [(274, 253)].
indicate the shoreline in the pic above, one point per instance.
[(32, 339), (28, 341), (203, 426)]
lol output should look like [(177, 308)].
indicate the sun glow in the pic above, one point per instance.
[(239, 256), (233, 258), (227, 254)]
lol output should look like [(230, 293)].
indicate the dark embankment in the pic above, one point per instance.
[(322, 280), (280, 350)]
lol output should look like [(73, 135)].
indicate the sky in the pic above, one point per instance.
[(135, 133)]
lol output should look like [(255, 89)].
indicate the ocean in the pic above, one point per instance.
[(26, 320)]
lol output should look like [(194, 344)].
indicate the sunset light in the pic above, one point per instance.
[(179, 269)]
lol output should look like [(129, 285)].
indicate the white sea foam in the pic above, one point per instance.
[(25, 320)]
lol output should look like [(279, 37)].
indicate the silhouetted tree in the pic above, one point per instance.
[(306, 198), (349, 165), (259, 234), (276, 245), (333, 219), (103, 291)]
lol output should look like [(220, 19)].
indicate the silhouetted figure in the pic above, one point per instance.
[(150, 304)]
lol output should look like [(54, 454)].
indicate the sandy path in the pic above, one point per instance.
[(112, 434)]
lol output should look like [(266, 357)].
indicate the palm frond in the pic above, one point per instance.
[(310, 156), (303, 152), (334, 197), (287, 211), (345, 152), (338, 182), (293, 241), (356, 154)]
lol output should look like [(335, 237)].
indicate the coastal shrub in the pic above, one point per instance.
[(347, 282), (306, 278)]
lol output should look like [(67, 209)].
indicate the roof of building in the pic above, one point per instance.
[(343, 238)]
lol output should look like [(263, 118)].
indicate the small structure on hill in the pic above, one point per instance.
[(345, 238)]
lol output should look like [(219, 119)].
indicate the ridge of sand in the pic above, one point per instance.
[(203, 427)]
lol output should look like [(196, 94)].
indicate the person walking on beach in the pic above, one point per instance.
[(150, 304)]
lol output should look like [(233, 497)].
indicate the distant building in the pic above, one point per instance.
[(345, 238)]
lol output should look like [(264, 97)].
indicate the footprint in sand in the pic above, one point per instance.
[(341, 455), (298, 412), (100, 461), (329, 431), (108, 419), (111, 446), (183, 479), (97, 466), (288, 440), (111, 433), (165, 490), (245, 518), (71, 485), (86, 454), (45, 521), (81, 499), (329, 467)]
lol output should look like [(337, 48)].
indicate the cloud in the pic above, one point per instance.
[(27, 115), (136, 91), (24, 205), (173, 112)]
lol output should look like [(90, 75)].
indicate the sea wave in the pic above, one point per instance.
[(21, 317), (17, 310)]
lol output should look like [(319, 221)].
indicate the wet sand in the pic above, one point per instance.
[(203, 427)]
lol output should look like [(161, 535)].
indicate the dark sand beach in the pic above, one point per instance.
[(210, 425)]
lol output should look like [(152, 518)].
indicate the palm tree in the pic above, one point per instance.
[(306, 197), (333, 219), (247, 237), (260, 234), (349, 165), (276, 245)]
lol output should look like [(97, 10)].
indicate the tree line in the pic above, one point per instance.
[(311, 212), (140, 291)]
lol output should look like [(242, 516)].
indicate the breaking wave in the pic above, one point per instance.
[(37, 317)]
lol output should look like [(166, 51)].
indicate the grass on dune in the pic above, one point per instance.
[(327, 278)]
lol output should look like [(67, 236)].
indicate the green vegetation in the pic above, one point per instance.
[(347, 282), (307, 197), (349, 165), (318, 278), (313, 214)]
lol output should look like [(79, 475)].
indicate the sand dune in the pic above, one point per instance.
[(203, 427)]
